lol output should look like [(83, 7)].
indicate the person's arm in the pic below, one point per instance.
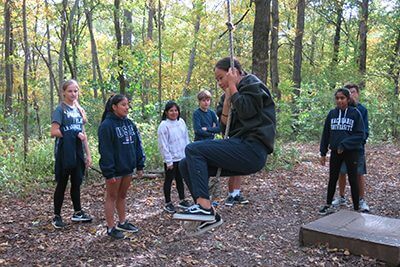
[(215, 128), (106, 150), (323, 147), (163, 134), (82, 135), (55, 130), (197, 127), (357, 137), (140, 156)]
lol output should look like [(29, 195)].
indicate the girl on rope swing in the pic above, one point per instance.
[(251, 139)]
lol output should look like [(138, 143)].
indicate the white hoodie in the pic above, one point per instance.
[(172, 139)]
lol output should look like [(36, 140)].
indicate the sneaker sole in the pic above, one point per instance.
[(57, 227), (205, 229), (169, 211), (229, 204), (81, 220), (128, 231), (193, 217), (243, 202), (183, 207)]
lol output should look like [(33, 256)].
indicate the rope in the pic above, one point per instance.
[(232, 63)]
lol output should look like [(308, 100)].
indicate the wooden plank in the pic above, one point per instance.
[(362, 234)]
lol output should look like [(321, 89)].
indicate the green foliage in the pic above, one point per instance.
[(283, 157)]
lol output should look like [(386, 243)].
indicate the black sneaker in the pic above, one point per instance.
[(115, 233), (80, 216), (205, 226), (169, 207), (196, 213), (57, 222), (229, 201), (240, 199), (184, 204), (127, 227), (325, 210)]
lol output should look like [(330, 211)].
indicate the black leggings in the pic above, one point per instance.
[(169, 177), (351, 160), (76, 180)]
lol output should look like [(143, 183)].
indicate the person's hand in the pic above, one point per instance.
[(170, 167), (82, 136), (340, 150), (204, 129), (139, 174), (233, 78), (322, 160), (88, 161)]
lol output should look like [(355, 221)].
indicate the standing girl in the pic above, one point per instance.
[(121, 151), (172, 139), (344, 134), (70, 161)]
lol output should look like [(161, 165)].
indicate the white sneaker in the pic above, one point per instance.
[(340, 201), (363, 205)]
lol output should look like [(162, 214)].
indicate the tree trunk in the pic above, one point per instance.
[(394, 71), (150, 24), (298, 47), (159, 57), (336, 39), (64, 35), (95, 60), (36, 108), (362, 67), (260, 39), (25, 78), (127, 39), (50, 62), (274, 49), (118, 36), (8, 52)]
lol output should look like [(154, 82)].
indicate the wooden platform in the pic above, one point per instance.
[(360, 233)]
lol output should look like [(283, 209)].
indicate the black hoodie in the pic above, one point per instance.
[(253, 112), (343, 129), (120, 147)]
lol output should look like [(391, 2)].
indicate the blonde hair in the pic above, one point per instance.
[(204, 94), (76, 103)]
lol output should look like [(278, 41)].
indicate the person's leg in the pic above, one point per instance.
[(112, 188), (334, 168), (169, 177), (76, 181), (361, 185), (342, 184), (351, 159), (121, 199), (234, 183), (59, 192), (233, 155), (179, 181)]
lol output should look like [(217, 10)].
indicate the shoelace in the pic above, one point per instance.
[(193, 207)]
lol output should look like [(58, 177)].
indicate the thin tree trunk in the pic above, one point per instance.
[(36, 107), (159, 57), (362, 67), (150, 24), (64, 35), (274, 49), (118, 36), (127, 38), (260, 39), (50, 62), (336, 39), (298, 47), (25, 78), (8, 52)]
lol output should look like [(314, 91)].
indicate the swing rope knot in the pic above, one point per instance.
[(230, 25)]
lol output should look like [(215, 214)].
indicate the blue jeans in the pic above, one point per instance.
[(235, 156)]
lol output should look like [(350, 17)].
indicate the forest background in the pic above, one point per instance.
[(158, 50)]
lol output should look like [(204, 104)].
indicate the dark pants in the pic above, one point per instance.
[(169, 177), (76, 181), (351, 160), (235, 156)]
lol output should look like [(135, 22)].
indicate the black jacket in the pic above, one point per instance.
[(343, 129), (253, 112)]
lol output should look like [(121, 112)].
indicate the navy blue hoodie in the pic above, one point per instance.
[(343, 129), (120, 147)]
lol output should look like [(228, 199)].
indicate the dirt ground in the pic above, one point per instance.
[(262, 233)]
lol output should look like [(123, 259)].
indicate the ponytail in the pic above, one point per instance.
[(112, 100)]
